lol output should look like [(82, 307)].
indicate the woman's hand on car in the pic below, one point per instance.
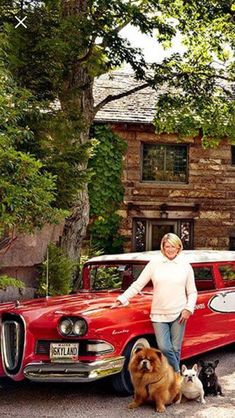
[(116, 304)]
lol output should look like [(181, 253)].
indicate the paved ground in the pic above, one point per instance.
[(98, 400)]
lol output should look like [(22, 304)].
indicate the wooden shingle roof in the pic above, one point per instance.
[(138, 107)]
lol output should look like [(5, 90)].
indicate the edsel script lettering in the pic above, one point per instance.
[(120, 331), (64, 351)]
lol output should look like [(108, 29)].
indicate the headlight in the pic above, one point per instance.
[(79, 327), (72, 327), (66, 326)]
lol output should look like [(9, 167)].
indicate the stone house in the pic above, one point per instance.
[(170, 186)]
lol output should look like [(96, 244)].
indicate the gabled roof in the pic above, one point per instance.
[(138, 107)]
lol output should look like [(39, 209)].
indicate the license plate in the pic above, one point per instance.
[(64, 351)]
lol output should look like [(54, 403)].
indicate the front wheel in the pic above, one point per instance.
[(122, 381)]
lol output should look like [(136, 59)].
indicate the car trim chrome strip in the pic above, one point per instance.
[(11, 363), (74, 372)]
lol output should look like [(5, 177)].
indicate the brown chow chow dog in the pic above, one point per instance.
[(153, 379)]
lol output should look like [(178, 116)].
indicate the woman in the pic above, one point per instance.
[(174, 296)]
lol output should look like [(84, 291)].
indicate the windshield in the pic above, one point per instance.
[(114, 276)]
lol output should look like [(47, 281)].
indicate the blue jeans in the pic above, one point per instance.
[(169, 336)]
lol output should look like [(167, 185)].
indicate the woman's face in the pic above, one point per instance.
[(170, 250)]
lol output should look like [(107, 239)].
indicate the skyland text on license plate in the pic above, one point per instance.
[(64, 351)]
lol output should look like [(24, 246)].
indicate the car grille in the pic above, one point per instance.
[(12, 342)]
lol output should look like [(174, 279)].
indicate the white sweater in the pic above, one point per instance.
[(173, 286)]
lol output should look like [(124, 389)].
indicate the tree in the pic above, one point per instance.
[(69, 43), (27, 193)]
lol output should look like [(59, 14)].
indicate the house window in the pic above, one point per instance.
[(233, 154), (147, 233), (164, 163)]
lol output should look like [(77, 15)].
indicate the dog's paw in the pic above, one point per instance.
[(133, 405), (203, 401), (160, 409), (178, 400)]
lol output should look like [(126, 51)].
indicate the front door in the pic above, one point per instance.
[(147, 233), (157, 231)]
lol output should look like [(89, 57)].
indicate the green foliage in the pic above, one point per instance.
[(60, 271), (106, 278), (66, 46), (55, 142), (68, 43), (227, 272), (62, 36), (106, 190), (61, 46), (213, 118), (6, 281), (91, 251), (199, 97), (27, 192), (104, 233)]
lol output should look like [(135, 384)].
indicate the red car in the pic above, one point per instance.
[(79, 338)]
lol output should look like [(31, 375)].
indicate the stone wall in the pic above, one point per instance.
[(20, 260), (208, 197), (14, 294)]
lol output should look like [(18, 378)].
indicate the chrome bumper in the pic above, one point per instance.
[(74, 372)]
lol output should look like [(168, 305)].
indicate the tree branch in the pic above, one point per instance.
[(111, 98), (89, 51)]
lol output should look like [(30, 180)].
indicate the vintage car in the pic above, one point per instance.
[(79, 338)]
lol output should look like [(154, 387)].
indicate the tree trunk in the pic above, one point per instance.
[(77, 103), (76, 226)]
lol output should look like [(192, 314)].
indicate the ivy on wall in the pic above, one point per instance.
[(106, 190)]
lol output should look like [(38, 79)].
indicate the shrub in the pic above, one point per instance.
[(60, 273), (6, 281)]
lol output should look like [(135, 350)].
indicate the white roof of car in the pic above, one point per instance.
[(192, 256)]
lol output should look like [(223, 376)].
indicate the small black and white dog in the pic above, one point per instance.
[(209, 378)]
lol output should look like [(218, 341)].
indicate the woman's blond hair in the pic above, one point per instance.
[(173, 239)]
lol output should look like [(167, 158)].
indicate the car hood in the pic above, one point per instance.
[(78, 304)]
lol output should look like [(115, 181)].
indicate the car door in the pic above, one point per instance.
[(224, 301), (205, 329)]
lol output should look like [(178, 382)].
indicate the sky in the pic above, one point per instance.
[(152, 50)]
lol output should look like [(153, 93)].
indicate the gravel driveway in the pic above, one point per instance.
[(98, 400)]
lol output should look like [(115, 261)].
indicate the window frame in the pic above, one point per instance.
[(233, 155), (144, 143), (204, 281), (232, 242), (227, 282)]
